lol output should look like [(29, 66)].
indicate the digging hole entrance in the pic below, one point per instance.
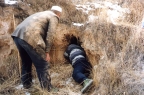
[(60, 46), (71, 39)]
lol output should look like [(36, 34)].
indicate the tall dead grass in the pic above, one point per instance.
[(70, 14), (122, 56), (115, 51), (9, 73)]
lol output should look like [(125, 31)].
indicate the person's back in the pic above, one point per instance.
[(35, 29), (36, 21), (74, 52)]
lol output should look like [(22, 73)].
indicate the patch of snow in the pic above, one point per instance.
[(113, 15), (84, 8), (92, 18), (27, 93), (33, 81), (116, 7), (77, 24), (19, 87), (96, 5), (114, 11), (10, 2), (88, 7), (69, 80)]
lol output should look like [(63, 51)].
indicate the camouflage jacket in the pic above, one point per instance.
[(37, 30)]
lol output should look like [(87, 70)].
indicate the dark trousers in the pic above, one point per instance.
[(82, 69), (28, 56)]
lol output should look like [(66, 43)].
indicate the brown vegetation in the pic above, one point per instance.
[(115, 51)]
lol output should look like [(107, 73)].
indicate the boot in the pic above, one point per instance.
[(54, 89), (45, 80), (27, 86), (86, 84)]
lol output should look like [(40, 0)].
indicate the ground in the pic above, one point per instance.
[(61, 79)]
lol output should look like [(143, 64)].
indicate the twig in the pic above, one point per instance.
[(19, 63)]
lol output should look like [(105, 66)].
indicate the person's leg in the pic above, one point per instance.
[(40, 64), (81, 73), (87, 67), (26, 76), (81, 70), (78, 72), (42, 70)]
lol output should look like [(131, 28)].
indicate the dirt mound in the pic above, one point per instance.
[(114, 45)]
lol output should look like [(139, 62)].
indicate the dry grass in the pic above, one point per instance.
[(115, 51), (67, 6)]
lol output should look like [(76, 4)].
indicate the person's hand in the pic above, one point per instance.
[(47, 57)]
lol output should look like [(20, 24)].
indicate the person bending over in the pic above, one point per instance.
[(33, 38)]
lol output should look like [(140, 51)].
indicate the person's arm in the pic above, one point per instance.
[(51, 29), (66, 56)]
